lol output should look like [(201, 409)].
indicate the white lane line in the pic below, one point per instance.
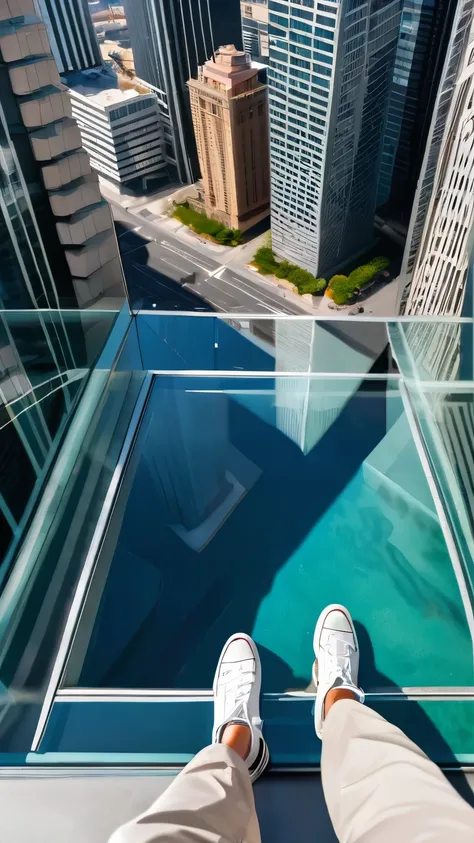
[(237, 287), (185, 255), (141, 246), (246, 283), (232, 297), (178, 291), (179, 268)]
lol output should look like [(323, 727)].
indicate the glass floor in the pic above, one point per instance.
[(237, 513), (214, 476)]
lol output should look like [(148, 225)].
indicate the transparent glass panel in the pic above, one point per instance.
[(432, 350), (251, 503), (262, 345), (45, 361)]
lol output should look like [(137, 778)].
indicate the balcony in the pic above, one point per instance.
[(208, 474)]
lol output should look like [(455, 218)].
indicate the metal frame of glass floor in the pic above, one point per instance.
[(214, 474)]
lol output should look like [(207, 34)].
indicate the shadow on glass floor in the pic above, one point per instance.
[(251, 504)]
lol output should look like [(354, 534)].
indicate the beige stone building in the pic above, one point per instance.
[(230, 117)]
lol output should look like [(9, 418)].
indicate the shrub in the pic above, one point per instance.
[(300, 277), (284, 268), (264, 260), (363, 275), (379, 264), (320, 285), (224, 236), (264, 255), (340, 289), (203, 224)]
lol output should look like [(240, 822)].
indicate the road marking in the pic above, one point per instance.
[(141, 246), (179, 268), (186, 255), (137, 228), (178, 290), (263, 303)]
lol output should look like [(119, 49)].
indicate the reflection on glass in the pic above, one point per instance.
[(228, 519)]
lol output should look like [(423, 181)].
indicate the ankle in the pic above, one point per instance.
[(238, 737), (336, 694)]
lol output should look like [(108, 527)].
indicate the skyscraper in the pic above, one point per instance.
[(454, 56), (71, 34), (439, 277), (424, 36), (170, 41), (255, 29), (230, 117), (330, 74), (58, 246)]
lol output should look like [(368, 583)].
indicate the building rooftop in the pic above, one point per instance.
[(101, 86)]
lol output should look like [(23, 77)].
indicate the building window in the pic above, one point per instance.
[(248, 11), (260, 109), (325, 21), (213, 108), (250, 113)]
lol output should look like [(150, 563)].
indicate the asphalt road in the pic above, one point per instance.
[(155, 261)]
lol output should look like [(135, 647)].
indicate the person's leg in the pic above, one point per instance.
[(211, 800), (379, 786)]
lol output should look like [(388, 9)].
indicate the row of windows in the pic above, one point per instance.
[(130, 108)]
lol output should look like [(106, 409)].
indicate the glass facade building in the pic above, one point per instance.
[(71, 34), (425, 27), (330, 74), (454, 56)]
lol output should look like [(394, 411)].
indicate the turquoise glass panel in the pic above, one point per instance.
[(171, 732), (250, 504)]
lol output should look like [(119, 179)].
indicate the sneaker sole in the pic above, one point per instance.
[(261, 763)]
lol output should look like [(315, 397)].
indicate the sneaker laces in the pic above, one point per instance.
[(239, 683), (339, 655)]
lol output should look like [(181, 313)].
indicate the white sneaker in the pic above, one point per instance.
[(337, 658), (237, 697)]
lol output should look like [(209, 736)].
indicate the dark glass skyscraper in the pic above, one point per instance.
[(423, 40), (169, 41), (71, 34)]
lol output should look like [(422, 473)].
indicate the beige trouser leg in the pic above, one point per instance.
[(381, 788), (211, 801)]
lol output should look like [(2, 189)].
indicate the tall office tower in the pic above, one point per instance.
[(170, 41), (255, 29), (71, 34), (330, 74), (439, 277), (230, 117), (58, 245), (424, 35), (454, 56)]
